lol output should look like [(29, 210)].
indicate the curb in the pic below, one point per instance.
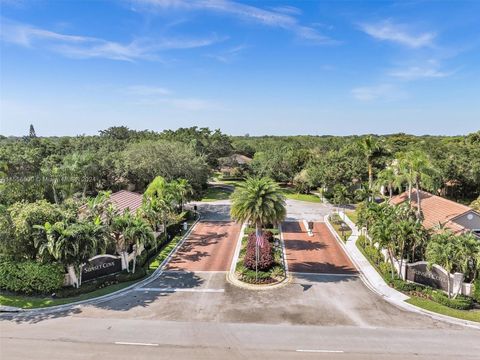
[(399, 304), (232, 279), (106, 297)]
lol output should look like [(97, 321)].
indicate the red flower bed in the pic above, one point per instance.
[(265, 253)]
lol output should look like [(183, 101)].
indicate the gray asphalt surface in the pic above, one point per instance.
[(199, 315)]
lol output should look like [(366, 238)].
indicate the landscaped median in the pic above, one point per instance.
[(270, 268), (148, 263), (341, 228)]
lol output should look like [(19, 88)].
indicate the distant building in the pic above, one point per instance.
[(439, 212), (124, 200), (234, 165)]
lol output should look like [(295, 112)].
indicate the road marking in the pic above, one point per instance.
[(321, 351), (323, 274), (135, 344), (181, 290)]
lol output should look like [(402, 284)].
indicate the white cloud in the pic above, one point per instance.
[(228, 55), (76, 46), (398, 33), (377, 92), (282, 18), (428, 71)]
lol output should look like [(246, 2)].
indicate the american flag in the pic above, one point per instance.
[(260, 239)]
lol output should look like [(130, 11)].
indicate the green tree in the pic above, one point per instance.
[(372, 149), (443, 250), (259, 201), (74, 244), (27, 238)]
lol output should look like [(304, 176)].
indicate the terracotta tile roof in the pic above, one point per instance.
[(436, 210), (241, 159), (124, 199)]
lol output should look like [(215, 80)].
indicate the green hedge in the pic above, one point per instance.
[(30, 277), (476, 291), (459, 303)]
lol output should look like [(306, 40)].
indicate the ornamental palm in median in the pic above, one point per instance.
[(258, 201)]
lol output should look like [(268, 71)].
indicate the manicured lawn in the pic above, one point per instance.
[(216, 193), (337, 226), (472, 315), (26, 302), (292, 194), (352, 215), (162, 255)]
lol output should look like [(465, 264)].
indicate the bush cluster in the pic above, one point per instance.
[(476, 291), (460, 302), (30, 277), (265, 253)]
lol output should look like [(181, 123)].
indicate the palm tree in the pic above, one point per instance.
[(137, 233), (341, 196), (387, 178), (417, 169), (183, 190), (259, 201), (443, 250), (73, 244), (372, 149)]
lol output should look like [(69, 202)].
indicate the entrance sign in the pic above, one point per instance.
[(101, 265), (435, 277)]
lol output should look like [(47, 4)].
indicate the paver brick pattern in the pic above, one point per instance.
[(210, 247), (319, 253)]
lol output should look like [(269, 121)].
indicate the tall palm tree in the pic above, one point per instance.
[(443, 250), (387, 178), (138, 233), (183, 190), (258, 201), (417, 169), (73, 244), (372, 149)]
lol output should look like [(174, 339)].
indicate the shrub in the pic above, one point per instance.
[(265, 256), (30, 277), (476, 291), (459, 303)]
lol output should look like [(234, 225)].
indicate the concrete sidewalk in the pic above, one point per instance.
[(371, 275), (375, 282)]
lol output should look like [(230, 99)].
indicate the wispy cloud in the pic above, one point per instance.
[(283, 17), (429, 70), (387, 92), (398, 33), (77, 46), (228, 55)]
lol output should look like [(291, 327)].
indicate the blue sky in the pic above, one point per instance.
[(257, 67)]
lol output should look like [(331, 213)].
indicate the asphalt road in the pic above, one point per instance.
[(199, 315)]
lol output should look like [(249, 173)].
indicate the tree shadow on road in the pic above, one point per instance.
[(304, 245), (322, 270), (163, 286)]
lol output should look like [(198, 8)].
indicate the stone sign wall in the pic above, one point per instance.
[(435, 277), (101, 265)]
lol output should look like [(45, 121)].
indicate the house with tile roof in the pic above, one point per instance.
[(439, 212), (126, 200)]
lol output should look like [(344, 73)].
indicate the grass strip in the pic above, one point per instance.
[(26, 302), (471, 315)]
